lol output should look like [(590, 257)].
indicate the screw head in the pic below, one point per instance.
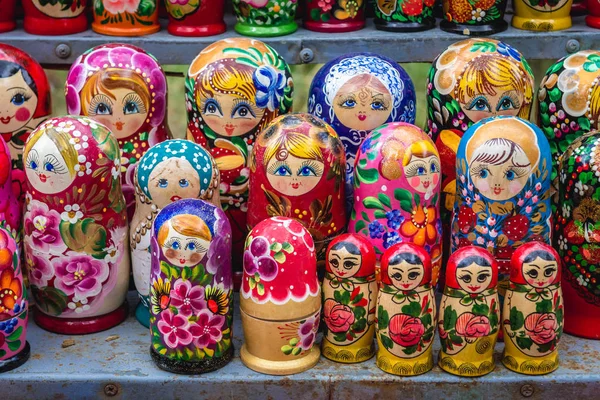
[(573, 46), (306, 55), (527, 390), (111, 390), (63, 51)]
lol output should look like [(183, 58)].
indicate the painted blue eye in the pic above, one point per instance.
[(176, 245), (483, 173), (306, 171), (350, 103), (283, 171), (184, 183), (33, 165), (505, 104), (103, 109), (421, 171), (510, 175), (377, 105), (131, 108), (242, 110), (49, 167), (212, 107), (480, 104), (434, 168), (191, 246), (18, 99), (163, 183)]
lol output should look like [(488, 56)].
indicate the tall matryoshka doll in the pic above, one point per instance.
[(577, 235), (469, 313), (502, 189), (10, 210), (397, 191), (297, 171), (170, 171), (191, 288), (124, 88), (234, 89), (76, 243), (357, 93)]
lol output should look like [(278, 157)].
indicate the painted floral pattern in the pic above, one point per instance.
[(125, 11), (332, 10), (420, 11), (474, 12), (300, 335), (265, 12)]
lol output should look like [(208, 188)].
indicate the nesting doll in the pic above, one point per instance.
[(196, 18), (267, 17), (191, 288), (280, 298), (334, 16), (405, 311), (468, 317), (56, 17), (75, 226), (397, 191), (577, 235), (10, 210), (476, 18), (542, 15), (234, 89), (14, 348), (124, 88), (349, 298), (170, 171), (124, 18), (532, 315), (7, 19), (297, 171), (404, 16), (357, 93)]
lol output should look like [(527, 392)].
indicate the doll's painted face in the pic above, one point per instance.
[(230, 115), (294, 176), (474, 278), (343, 263), (363, 103), (406, 276), (182, 250), (540, 273), (171, 180), (484, 105), (46, 168), (122, 110), (423, 174), (17, 103)]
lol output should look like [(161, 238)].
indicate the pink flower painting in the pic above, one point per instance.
[(118, 6), (207, 330), (175, 329), (187, 299), (80, 276)]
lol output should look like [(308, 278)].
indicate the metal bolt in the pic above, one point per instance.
[(527, 390), (63, 50), (572, 46), (306, 55), (111, 390)]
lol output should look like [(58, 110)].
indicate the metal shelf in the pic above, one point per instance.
[(94, 367)]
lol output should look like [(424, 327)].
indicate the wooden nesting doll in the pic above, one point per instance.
[(14, 348), (397, 191), (334, 16), (349, 299), (280, 298), (474, 18), (577, 235), (76, 244), (170, 171), (405, 311), (10, 209), (502, 189), (60, 17), (124, 88), (7, 19), (533, 310), (357, 93), (404, 16), (267, 17), (191, 288), (126, 18), (297, 170), (196, 17), (234, 89), (544, 15), (468, 316)]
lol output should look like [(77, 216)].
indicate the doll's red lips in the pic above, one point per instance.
[(5, 120), (341, 273), (426, 184), (119, 125), (295, 185), (405, 285), (362, 117), (182, 260), (42, 178), (498, 190), (229, 129), (541, 283), (473, 288), (175, 198)]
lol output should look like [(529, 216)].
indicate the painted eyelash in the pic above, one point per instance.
[(134, 98), (519, 171), (476, 170), (32, 157), (276, 166), (462, 277), (317, 169), (379, 98), (100, 98), (23, 93), (208, 101), (59, 168), (472, 104), (171, 241), (237, 103), (411, 170), (437, 164), (199, 247), (512, 97), (343, 100)]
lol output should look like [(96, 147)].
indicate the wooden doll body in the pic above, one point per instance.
[(227, 122), (280, 298), (14, 307), (297, 171), (196, 18), (474, 19), (533, 310), (7, 20), (397, 191), (170, 171), (335, 17), (124, 88), (357, 93), (191, 292), (61, 17), (542, 16), (406, 312), (116, 18), (76, 230), (265, 17), (349, 299), (10, 210), (397, 16), (469, 313)]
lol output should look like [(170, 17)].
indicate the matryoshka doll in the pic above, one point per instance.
[(76, 244), (577, 235), (170, 171), (405, 311), (397, 191), (234, 89), (14, 309), (334, 16), (357, 93), (10, 209), (502, 189), (280, 298), (349, 299), (124, 88), (533, 310), (404, 16), (195, 17), (543, 15), (266, 17), (468, 315), (297, 171), (60, 17), (191, 288)]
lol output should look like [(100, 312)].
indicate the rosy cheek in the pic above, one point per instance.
[(515, 187), (436, 178), (483, 185), (416, 181), (22, 114)]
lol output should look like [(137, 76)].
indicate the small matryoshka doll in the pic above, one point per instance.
[(405, 311), (349, 299), (234, 89), (297, 171), (502, 189), (10, 210), (468, 315), (14, 349), (124, 88), (533, 310), (191, 288), (170, 171), (577, 235), (397, 191), (357, 93), (75, 226), (280, 298), (56, 17)]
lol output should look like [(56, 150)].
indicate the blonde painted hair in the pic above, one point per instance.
[(185, 224), (421, 149), (61, 141), (296, 144)]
